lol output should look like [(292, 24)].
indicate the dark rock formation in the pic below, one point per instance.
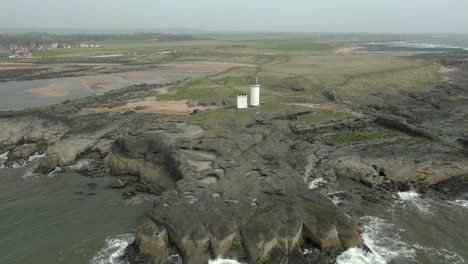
[(235, 196), (400, 123), (330, 94)]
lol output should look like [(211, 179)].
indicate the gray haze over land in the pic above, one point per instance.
[(382, 16)]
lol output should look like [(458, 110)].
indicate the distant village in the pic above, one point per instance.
[(26, 51)]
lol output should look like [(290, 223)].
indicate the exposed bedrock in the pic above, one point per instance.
[(148, 157), (71, 146), (235, 196), (24, 136)]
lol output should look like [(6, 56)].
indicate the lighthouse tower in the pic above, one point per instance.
[(255, 93)]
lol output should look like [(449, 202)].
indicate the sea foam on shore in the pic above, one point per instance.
[(113, 249), (412, 199), (22, 163), (223, 261), (384, 242), (3, 158)]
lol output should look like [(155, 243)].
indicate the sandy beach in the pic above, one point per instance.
[(348, 50), (52, 90)]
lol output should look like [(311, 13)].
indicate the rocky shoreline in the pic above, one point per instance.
[(260, 188)]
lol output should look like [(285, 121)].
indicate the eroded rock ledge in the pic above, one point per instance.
[(235, 196)]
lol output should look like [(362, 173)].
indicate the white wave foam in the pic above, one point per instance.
[(384, 242), (22, 163), (3, 158), (55, 171), (139, 199), (319, 182), (359, 256), (335, 198), (412, 199), (462, 203), (441, 254), (81, 164), (30, 174), (223, 261), (113, 250)]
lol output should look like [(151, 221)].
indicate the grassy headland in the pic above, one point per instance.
[(290, 68)]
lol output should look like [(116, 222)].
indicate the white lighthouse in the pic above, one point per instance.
[(255, 93)]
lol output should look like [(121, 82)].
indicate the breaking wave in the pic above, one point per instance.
[(139, 199), (223, 261), (462, 203), (412, 199), (30, 174), (113, 250), (3, 158), (81, 164), (319, 182), (442, 254), (336, 197), (22, 163), (385, 246), (55, 171), (383, 241)]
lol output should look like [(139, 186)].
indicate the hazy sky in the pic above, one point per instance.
[(412, 16)]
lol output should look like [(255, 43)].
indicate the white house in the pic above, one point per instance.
[(242, 101)]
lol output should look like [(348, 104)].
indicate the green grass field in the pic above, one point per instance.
[(320, 115), (285, 44), (302, 76)]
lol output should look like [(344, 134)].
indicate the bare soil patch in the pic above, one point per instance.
[(52, 90), (100, 84), (152, 105), (349, 50), (444, 69), (139, 76)]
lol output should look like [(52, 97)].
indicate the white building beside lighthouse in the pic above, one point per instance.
[(242, 101), (255, 93)]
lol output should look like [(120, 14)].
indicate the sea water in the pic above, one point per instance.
[(64, 217), (18, 95), (414, 229), (409, 45)]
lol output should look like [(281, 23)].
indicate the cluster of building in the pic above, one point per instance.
[(242, 99), (60, 46), (16, 52), (86, 45), (69, 45), (26, 51)]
